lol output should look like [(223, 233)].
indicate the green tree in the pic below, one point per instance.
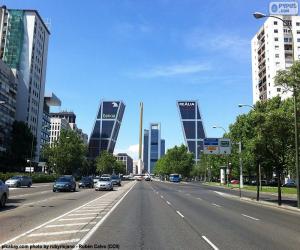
[(107, 163), (67, 154), (176, 160)]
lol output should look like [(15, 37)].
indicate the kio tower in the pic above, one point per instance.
[(24, 48), (192, 126), (106, 128)]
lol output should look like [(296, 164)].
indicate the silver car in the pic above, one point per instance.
[(104, 183), (4, 193), (18, 181)]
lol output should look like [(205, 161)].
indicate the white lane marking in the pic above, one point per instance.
[(50, 221), (214, 204), (83, 218), (72, 224), (210, 243), (95, 228), (59, 233), (82, 214), (169, 203), (180, 214), (199, 199), (56, 242), (161, 197), (187, 194), (250, 217)]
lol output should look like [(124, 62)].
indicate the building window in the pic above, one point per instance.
[(298, 40), (275, 22), (278, 89), (286, 39), (276, 31), (276, 55), (297, 24), (276, 39), (298, 31), (276, 47)]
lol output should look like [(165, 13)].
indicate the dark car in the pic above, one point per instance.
[(116, 180), (86, 182), (65, 183), (4, 193), (290, 184)]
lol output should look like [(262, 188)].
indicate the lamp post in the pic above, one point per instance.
[(259, 15)]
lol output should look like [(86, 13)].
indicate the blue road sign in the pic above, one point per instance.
[(211, 141)]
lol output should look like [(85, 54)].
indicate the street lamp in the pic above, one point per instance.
[(259, 15), (215, 126)]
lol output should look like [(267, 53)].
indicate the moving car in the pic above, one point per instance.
[(65, 183), (104, 183), (116, 180), (234, 181), (18, 181), (4, 193), (147, 178), (139, 177), (86, 182), (290, 184), (175, 178)]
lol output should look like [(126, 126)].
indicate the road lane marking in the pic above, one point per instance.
[(83, 218), (214, 204), (95, 228), (56, 242), (59, 233), (180, 214), (24, 195), (187, 194), (71, 225), (210, 243), (169, 203), (82, 214), (55, 219), (250, 217), (161, 197), (199, 199)]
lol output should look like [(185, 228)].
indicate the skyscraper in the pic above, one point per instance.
[(272, 50), (192, 126), (154, 146), (24, 47), (106, 128)]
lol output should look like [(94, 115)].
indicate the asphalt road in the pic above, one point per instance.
[(158, 215), (145, 215)]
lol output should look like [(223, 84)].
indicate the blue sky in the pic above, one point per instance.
[(156, 51)]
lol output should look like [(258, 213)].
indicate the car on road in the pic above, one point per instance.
[(290, 184), (19, 181), (86, 182), (147, 178), (65, 183), (96, 179), (116, 180), (174, 178), (104, 183), (4, 193), (234, 181), (139, 177)]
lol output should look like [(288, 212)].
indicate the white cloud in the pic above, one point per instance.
[(175, 70), (132, 151)]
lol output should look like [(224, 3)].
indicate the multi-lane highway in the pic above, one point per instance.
[(145, 215)]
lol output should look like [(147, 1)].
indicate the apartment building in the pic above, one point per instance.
[(273, 48)]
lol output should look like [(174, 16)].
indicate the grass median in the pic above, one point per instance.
[(267, 189)]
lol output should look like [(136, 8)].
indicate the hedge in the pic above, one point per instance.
[(36, 177)]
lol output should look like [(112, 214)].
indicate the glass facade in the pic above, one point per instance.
[(192, 126), (106, 128)]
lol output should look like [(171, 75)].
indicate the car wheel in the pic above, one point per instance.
[(3, 200), (74, 190), (119, 184), (54, 190), (29, 185)]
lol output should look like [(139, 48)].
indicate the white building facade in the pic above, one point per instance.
[(272, 49), (57, 125), (24, 47)]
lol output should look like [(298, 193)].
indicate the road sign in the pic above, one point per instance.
[(283, 8), (224, 146), (211, 146), (29, 169)]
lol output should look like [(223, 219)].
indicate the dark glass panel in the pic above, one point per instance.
[(121, 112), (99, 112), (189, 129), (192, 147), (104, 144), (187, 110), (200, 130), (198, 114), (107, 127), (96, 131)]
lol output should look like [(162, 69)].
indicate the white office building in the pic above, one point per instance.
[(24, 47), (272, 48), (56, 126)]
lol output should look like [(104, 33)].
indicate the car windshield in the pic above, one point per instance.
[(115, 177), (85, 179), (16, 177), (104, 179), (63, 179)]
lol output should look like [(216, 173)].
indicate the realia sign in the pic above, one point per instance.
[(283, 8)]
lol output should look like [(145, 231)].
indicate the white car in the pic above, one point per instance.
[(104, 183), (4, 193), (18, 181)]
